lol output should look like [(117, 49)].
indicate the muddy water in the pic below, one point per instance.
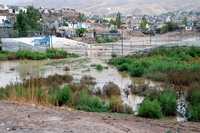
[(16, 71)]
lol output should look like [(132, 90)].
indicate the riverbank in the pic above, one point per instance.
[(23, 118), (90, 89)]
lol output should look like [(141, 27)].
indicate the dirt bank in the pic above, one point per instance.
[(15, 118)]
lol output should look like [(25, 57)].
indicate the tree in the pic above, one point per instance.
[(34, 17), (80, 32), (28, 21), (169, 27), (185, 21), (118, 20), (112, 22), (81, 17), (21, 24), (144, 24)]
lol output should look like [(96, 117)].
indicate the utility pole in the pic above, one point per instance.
[(122, 45), (150, 39)]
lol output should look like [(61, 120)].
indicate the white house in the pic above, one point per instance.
[(16, 9), (189, 26), (3, 19)]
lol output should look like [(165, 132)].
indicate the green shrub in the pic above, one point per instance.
[(80, 32), (150, 109), (99, 67), (50, 53), (194, 113), (4, 55), (25, 54), (57, 54), (167, 101), (136, 70), (59, 96), (3, 93), (123, 67), (194, 105), (194, 97), (90, 103)]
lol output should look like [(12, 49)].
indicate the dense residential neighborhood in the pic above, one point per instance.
[(65, 21)]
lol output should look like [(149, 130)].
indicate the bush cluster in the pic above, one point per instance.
[(150, 109), (90, 103), (59, 97), (162, 105), (99, 67), (35, 55), (177, 65)]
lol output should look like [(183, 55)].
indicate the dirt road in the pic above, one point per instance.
[(15, 118)]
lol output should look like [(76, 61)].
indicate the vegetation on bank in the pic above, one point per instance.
[(156, 106), (194, 105), (35, 55), (49, 91), (176, 65)]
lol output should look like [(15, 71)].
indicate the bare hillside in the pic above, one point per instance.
[(110, 6)]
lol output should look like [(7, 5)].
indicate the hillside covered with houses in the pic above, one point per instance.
[(66, 22)]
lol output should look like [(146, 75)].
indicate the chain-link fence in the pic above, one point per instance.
[(122, 47)]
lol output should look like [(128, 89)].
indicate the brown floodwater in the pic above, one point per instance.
[(17, 71)]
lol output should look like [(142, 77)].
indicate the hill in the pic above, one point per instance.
[(111, 6)]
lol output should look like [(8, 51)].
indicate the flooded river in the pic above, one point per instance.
[(17, 71)]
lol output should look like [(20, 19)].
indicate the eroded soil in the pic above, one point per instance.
[(21, 118)]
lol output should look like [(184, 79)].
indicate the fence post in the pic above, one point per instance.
[(122, 43)]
